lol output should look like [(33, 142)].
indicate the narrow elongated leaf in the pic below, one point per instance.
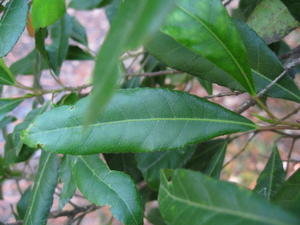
[(78, 32), (209, 157), (265, 66), (5, 120), (135, 21), (58, 50), (288, 195), (215, 39), (23, 203), (136, 120), (43, 190), (198, 199), (150, 164), (65, 174), (106, 187), (12, 24), (6, 76), (9, 104), (46, 12), (272, 177), (294, 7), (76, 53), (272, 20)]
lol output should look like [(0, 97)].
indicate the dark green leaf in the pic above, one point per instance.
[(5, 120), (155, 218), (69, 99), (84, 4), (76, 53), (6, 76), (26, 65), (272, 177), (215, 39), (247, 6), (65, 173), (46, 12), (187, 197), (18, 143), (9, 104), (12, 24), (23, 203), (138, 120), (135, 22), (106, 187), (209, 157), (294, 7), (288, 195), (272, 20), (58, 50), (125, 163), (43, 190), (10, 154), (78, 32), (208, 86), (150, 164)]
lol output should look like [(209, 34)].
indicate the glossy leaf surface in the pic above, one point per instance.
[(135, 21), (42, 193), (46, 12), (6, 76), (106, 187), (138, 120), (272, 177), (201, 200), (288, 195), (272, 20), (214, 38), (209, 157), (8, 104), (12, 24), (150, 164)]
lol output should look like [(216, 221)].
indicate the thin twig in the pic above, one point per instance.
[(290, 155), (234, 93)]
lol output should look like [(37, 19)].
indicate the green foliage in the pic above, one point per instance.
[(139, 139)]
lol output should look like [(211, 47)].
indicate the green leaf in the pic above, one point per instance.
[(106, 187), (272, 177), (265, 66), (58, 50), (84, 5), (46, 12), (215, 39), (78, 32), (209, 157), (6, 76), (150, 164), (26, 65), (43, 190), (18, 143), (12, 24), (76, 53), (65, 174), (199, 199), (208, 86), (288, 195), (5, 120), (155, 218), (135, 22), (23, 203), (272, 20), (247, 6), (138, 120), (124, 163), (8, 104), (294, 7)]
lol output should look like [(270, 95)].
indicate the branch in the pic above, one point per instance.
[(251, 102), (234, 93)]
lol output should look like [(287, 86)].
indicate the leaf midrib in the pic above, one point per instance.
[(101, 180), (148, 120), (223, 210), (244, 74)]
